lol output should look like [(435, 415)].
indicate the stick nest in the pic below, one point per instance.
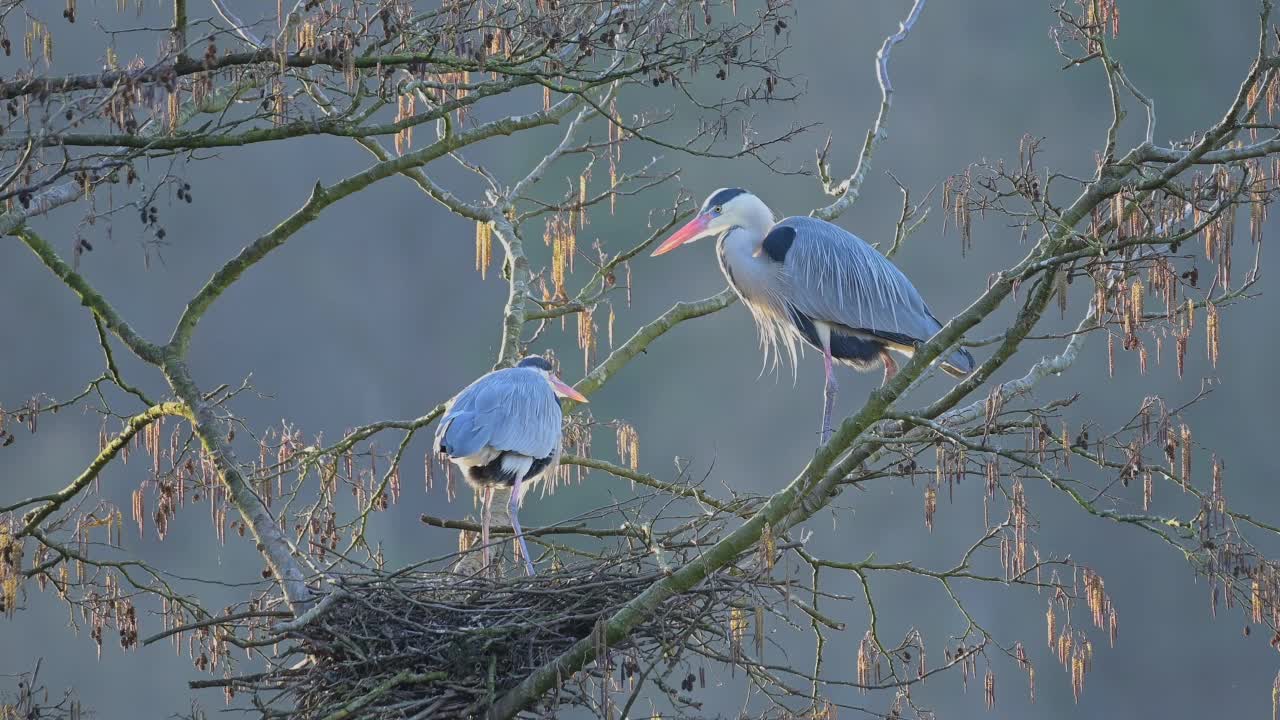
[(445, 645)]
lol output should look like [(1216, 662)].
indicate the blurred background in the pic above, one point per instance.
[(374, 312)]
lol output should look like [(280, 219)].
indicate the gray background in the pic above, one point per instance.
[(373, 312)]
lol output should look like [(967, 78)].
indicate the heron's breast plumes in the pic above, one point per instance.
[(755, 279)]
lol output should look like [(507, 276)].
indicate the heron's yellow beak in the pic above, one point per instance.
[(688, 233)]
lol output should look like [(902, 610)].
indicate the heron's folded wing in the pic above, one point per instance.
[(509, 410), (531, 423), (832, 276)]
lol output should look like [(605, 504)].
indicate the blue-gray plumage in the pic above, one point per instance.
[(504, 429), (807, 280)]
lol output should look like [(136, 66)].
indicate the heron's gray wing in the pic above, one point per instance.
[(831, 275), (531, 423), (511, 410)]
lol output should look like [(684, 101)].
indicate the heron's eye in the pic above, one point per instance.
[(717, 210)]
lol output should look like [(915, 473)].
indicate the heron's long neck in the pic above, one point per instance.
[(748, 270)]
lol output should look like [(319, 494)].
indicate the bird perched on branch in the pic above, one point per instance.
[(504, 430), (809, 280)]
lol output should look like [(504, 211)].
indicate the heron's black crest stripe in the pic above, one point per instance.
[(778, 242), (535, 361), (722, 197)]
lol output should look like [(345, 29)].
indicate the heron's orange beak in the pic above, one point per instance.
[(683, 235), (565, 390)]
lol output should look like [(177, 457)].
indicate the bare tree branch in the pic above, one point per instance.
[(847, 191)]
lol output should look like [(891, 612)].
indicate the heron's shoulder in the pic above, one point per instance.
[(811, 234), (778, 242), (513, 376), (808, 236), (519, 374), (496, 386)]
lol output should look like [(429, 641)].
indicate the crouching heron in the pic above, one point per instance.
[(504, 430), (807, 279)]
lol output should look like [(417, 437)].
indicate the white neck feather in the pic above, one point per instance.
[(751, 214)]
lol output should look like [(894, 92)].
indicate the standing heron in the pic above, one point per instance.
[(504, 429), (807, 279)]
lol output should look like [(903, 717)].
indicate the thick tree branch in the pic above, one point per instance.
[(180, 28), (519, 277), (270, 539), (89, 297), (41, 203)]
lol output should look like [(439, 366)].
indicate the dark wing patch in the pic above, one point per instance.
[(859, 352), (805, 326), (778, 242), (494, 474), (895, 338), (537, 467), (722, 197), (855, 350)]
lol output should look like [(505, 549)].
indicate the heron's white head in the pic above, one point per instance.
[(723, 210), (558, 386)]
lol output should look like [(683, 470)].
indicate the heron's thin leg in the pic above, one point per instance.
[(485, 515), (513, 509), (828, 395), (890, 367)]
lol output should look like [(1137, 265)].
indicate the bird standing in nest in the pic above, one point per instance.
[(505, 430), (805, 279)]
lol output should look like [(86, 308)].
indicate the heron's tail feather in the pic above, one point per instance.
[(959, 364)]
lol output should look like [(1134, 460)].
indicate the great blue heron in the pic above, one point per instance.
[(807, 279), (504, 429)]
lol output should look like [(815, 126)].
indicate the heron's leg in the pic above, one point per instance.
[(513, 509), (890, 367), (828, 395), (486, 513)]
